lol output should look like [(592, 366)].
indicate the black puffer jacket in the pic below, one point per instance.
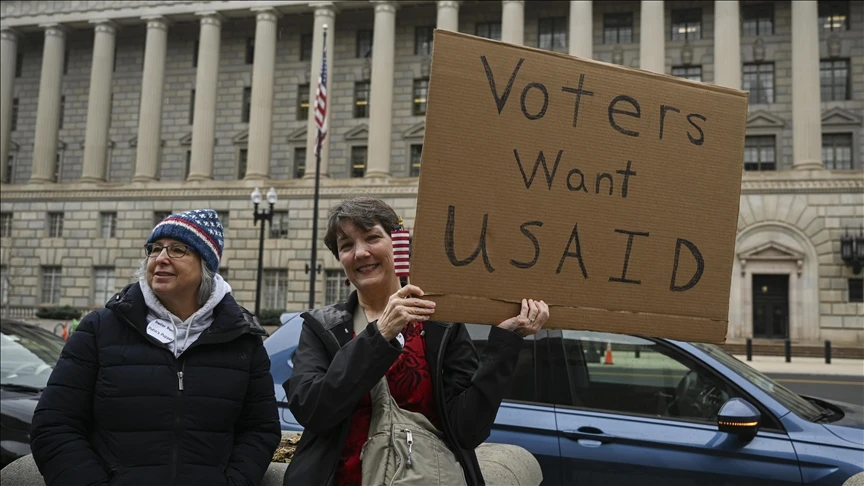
[(119, 409), (332, 372)]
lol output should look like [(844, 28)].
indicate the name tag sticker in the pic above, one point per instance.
[(161, 330)]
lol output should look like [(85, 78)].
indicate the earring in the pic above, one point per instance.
[(347, 283)]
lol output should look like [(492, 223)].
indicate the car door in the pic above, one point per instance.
[(527, 416), (643, 412)]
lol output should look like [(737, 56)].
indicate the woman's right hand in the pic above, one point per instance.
[(403, 307)]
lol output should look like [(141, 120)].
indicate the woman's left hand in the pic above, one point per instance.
[(530, 320)]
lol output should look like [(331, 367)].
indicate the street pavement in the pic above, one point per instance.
[(849, 389)]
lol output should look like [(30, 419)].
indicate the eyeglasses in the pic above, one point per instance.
[(175, 250)]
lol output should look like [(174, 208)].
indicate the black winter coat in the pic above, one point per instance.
[(332, 372), (119, 409)]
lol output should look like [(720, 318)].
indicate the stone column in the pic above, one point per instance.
[(381, 90), (206, 83), (727, 44), (261, 116), (8, 55), (513, 21), (448, 15), (581, 29), (99, 102), (806, 117), (652, 37), (325, 14), (150, 112), (48, 111)]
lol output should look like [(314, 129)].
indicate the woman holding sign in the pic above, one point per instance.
[(169, 383), (383, 390)]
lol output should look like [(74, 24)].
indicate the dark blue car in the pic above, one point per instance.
[(663, 413)]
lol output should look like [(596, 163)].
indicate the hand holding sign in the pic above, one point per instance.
[(403, 307), (530, 320)]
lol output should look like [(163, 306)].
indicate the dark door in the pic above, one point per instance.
[(771, 306)]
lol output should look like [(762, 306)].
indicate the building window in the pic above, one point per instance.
[(421, 90), (335, 290), (279, 225), (837, 151), (225, 219), (158, 216), (303, 102), (14, 114), (250, 50), (759, 81), (833, 16), (51, 277), (66, 61), (856, 290), (358, 161), (299, 162), (757, 19), (361, 99), (108, 225), (759, 153), (275, 289), (62, 112), (416, 155), (247, 105), (423, 41), (242, 158), (19, 64), (103, 285), (364, 43), (188, 165), (489, 30), (693, 73), (5, 225), (10, 169), (618, 28), (553, 34), (834, 79), (306, 47), (192, 107), (687, 24), (195, 54), (55, 225)]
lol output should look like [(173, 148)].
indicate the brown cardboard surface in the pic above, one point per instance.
[(492, 108)]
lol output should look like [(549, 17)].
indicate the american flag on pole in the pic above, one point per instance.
[(321, 98), (401, 251)]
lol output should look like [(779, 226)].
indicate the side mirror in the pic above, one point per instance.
[(739, 417)]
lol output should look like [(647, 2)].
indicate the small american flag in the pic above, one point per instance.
[(321, 98), (401, 251)]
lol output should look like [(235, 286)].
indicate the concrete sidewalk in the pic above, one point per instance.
[(805, 366)]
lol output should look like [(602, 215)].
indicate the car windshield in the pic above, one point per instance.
[(786, 397), (27, 356)]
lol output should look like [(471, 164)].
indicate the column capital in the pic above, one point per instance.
[(520, 2), (326, 12), (157, 22), (54, 29), (267, 14), (324, 6), (210, 17), (385, 6), (448, 3), (107, 26)]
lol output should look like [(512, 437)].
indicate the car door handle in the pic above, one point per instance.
[(588, 433)]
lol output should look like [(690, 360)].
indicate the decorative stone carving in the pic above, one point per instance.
[(771, 251), (759, 50)]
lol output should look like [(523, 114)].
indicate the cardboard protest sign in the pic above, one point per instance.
[(608, 192)]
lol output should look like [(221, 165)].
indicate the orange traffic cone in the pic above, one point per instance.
[(608, 354), (65, 333)]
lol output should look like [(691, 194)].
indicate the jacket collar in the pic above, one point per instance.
[(230, 318)]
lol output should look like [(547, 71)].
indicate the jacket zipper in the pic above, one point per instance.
[(442, 406), (175, 446)]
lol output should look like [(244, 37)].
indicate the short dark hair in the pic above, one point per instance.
[(362, 211)]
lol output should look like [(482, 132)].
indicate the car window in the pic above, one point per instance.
[(524, 387), (27, 356), (639, 376)]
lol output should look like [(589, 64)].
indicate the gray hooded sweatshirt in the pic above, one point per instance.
[(185, 332)]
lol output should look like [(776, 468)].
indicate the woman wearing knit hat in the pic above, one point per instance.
[(169, 383)]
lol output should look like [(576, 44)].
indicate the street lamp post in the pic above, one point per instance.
[(264, 216)]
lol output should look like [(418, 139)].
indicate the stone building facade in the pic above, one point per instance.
[(117, 113)]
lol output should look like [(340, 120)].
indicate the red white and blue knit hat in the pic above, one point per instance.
[(200, 229)]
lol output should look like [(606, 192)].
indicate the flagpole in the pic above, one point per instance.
[(313, 265)]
